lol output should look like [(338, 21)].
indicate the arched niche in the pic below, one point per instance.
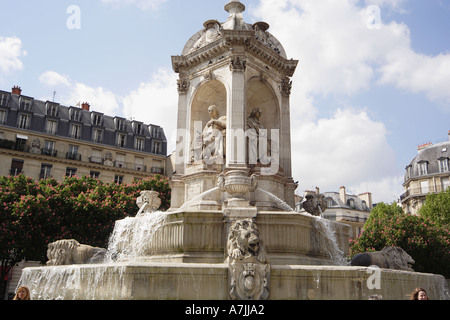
[(209, 93), (261, 95)]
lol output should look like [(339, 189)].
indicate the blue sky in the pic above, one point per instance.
[(363, 98)]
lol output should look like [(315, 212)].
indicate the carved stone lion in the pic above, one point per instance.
[(67, 252), (388, 258), (244, 241)]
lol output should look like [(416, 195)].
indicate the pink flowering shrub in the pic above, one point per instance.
[(36, 213)]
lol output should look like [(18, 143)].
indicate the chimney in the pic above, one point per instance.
[(423, 146), (16, 90), (342, 194), (85, 106)]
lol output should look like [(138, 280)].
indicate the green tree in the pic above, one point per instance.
[(437, 208), (382, 210)]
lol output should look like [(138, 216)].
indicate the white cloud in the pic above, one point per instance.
[(156, 102), (345, 149), (142, 4), (11, 53), (418, 73), (341, 56), (54, 79), (71, 93)]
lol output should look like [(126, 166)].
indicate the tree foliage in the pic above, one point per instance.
[(36, 213), (422, 238), (437, 208)]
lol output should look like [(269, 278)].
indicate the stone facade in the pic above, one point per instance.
[(236, 67), (45, 139), (427, 173)]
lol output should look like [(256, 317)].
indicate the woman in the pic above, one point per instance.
[(419, 294), (23, 293)]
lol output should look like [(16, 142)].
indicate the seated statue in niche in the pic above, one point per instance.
[(210, 145), (259, 144)]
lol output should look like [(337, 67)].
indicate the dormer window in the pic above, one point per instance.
[(25, 103), (423, 168), (351, 203), (443, 165), (137, 127), (4, 99), (75, 114), (120, 124), (97, 119), (52, 109)]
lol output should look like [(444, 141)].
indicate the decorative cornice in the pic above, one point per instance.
[(229, 40)]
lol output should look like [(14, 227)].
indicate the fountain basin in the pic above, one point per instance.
[(199, 237), (176, 281)]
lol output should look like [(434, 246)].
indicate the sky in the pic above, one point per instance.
[(372, 84)]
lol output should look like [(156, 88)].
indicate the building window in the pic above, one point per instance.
[(24, 121), (72, 153), (443, 165), (16, 167), (52, 127), (97, 119), (157, 147), (49, 149), (445, 183), (122, 140), (139, 163), (423, 168), (95, 174), (46, 171), (424, 186), (4, 99), (140, 143), (137, 127), (25, 103), (120, 160), (98, 136), (3, 116), (76, 131), (75, 114), (71, 172), (52, 109), (120, 124), (118, 179), (351, 203), (96, 156)]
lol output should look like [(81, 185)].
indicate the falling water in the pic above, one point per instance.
[(131, 236), (200, 196), (327, 242), (128, 241), (283, 205)]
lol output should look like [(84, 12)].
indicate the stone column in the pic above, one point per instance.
[(235, 156)]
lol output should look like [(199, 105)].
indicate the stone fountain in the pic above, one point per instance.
[(231, 232)]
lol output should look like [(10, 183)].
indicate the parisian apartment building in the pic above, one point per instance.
[(43, 139), (428, 172)]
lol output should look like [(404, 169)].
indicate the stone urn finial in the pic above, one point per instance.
[(237, 183)]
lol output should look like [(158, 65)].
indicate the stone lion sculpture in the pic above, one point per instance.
[(388, 258), (244, 241), (67, 252)]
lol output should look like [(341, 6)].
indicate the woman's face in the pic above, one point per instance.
[(21, 294), (422, 295)]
